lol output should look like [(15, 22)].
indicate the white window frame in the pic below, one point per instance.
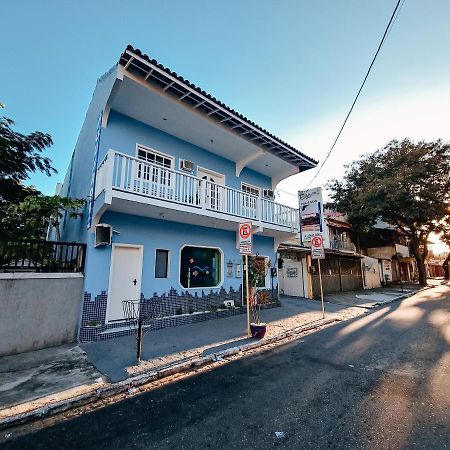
[(222, 259), (250, 186), (156, 152), (168, 263), (213, 173)]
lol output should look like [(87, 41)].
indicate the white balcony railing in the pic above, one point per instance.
[(126, 173)]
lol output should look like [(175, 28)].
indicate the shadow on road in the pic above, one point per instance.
[(379, 381)]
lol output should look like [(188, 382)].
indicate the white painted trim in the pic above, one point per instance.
[(213, 173), (112, 95), (117, 193), (111, 265), (220, 108), (168, 263), (34, 275), (156, 152), (280, 177), (222, 261), (252, 186), (243, 162)]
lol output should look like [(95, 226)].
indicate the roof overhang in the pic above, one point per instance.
[(176, 106)]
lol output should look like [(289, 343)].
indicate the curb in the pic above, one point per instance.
[(131, 384), (401, 297)]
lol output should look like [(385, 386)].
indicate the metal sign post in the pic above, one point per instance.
[(246, 248), (318, 252), (321, 289), (248, 295)]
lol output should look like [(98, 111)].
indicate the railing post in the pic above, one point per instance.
[(259, 207), (203, 194), (109, 172)]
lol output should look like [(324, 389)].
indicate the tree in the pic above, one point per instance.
[(42, 212), (406, 184), (20, 155), (24, 211)]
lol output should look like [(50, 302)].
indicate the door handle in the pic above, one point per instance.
[(135, 281)]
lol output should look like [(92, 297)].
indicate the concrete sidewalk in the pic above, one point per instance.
[(40, 377), (115, 358), (34, 380), (371, 298), (30, 381)]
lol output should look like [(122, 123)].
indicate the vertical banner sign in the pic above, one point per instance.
[(311, 213), (94, 170), (245, 233)]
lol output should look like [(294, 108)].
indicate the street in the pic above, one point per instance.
[(379, 381)]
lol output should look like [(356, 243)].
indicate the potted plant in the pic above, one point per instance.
[(258, 269)]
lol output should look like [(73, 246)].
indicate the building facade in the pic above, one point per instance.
[(341, 270), (168, 173)]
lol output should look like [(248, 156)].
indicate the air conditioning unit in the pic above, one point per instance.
[(187, 166), (103, 234), (268, 193)]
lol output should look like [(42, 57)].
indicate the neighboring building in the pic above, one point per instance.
[(176, 171), (435, 263), (435, 268), (341, 269), (390, 247)]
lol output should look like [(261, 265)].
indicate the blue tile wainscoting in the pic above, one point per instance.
[(169, 310)]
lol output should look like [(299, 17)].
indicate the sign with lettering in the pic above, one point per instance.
[(245, 238), (317, 250)]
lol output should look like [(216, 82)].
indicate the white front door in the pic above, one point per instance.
[(124, 278), (215, 194)]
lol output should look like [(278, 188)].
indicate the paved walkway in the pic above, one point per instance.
[(31, 380), (370, 298), (44, 376), (116, 357)]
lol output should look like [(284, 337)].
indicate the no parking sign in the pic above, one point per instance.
[(245, 238), (317, 250)]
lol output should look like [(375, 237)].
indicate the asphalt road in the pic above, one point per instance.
[(380, 381)]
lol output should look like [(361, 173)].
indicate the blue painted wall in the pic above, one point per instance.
[(153, 234), (123, 133), (77, 181)]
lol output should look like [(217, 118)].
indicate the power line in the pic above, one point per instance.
[(386, 32)]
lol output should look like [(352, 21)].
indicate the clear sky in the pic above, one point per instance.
[(292, 66)]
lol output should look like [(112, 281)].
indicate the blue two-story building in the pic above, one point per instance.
[(169, 172)]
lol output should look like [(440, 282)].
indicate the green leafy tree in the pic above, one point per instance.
[(20, 155), (24, 211), (42, 212), (406, 184)]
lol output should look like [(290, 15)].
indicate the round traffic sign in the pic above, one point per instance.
[(245, 230), (317, 241)]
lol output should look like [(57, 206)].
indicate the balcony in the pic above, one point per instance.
[(342, 245), (133, 186)]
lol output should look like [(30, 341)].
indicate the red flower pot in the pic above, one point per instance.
[(258, 330)]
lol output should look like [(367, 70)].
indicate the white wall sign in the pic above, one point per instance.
[(245, 238)]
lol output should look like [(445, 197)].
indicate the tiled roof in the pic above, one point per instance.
[(134, 60)]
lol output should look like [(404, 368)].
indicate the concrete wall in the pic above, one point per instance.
[(371, 273), (381, 252), (38, 310)]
